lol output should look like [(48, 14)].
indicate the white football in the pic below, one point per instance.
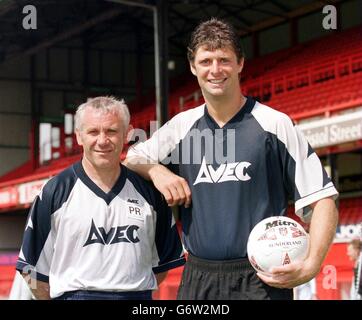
[(276, 241)]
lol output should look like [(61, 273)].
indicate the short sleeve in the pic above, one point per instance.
[(37, 249), (169, 251), (304, 176), (159, 147)]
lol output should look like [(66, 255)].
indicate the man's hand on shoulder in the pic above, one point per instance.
[(174, 188)]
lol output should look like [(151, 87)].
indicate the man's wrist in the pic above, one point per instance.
[(154, 170), (313, 265)]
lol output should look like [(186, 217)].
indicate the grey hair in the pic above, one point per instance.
[(104, 104)]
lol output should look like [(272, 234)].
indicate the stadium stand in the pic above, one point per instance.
[(350, 211), (303, 81)]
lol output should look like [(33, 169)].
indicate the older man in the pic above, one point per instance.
[(98, 230)]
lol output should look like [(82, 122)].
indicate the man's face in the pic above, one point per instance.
[(217, 71), (102, 136)]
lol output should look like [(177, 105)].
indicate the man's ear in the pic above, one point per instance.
[(192, 68), (241, 65), (128, 134), (78, 136)]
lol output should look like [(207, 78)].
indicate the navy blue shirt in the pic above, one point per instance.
[(238, 174)]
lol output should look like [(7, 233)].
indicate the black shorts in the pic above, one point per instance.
[(225, 280)]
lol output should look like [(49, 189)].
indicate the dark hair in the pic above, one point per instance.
[(214, 34)]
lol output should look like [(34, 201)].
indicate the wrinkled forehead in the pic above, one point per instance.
[(209, 50), (98, 116), (215, 44)]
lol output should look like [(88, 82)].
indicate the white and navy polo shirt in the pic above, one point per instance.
[(80, 238), (238, 174)]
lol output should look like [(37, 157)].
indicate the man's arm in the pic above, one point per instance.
[(40, 289), (174, 188), (322, 231)]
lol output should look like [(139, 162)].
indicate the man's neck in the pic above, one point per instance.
[(104, 178), (222, 109)]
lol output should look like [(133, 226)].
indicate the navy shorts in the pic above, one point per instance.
[(225, 280), (105, 295)]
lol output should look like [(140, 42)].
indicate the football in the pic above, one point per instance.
[(276, 241)]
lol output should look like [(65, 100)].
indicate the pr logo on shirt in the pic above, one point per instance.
[(135, 212)]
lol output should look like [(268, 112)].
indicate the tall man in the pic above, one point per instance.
[(240, 160), (98, 230)]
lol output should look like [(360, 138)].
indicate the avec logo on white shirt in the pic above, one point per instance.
[(127, 233)]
